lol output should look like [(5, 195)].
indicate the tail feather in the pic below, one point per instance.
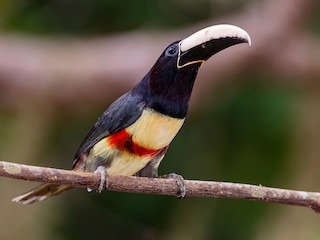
[(40, 193)]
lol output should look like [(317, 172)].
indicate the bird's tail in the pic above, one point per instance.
[(40, 193)]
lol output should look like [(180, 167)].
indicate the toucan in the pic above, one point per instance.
[(133, 135)]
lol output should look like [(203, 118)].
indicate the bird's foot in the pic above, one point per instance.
[(103, 179), (180, 182)]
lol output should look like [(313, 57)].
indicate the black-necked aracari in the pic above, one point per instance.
[(133, 135)]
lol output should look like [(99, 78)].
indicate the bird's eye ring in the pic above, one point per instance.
[(171, 51)]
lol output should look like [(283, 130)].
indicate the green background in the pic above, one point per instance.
[(252, 129)]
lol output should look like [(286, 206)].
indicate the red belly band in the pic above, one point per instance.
[(123, 141)]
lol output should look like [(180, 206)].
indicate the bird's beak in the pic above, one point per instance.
[(201, 45)]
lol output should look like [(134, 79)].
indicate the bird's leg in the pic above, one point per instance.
[(180, 182), (103, 178)]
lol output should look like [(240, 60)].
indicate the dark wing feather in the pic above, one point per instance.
[(121, 114)]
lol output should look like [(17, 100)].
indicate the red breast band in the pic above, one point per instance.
[(123, 141)]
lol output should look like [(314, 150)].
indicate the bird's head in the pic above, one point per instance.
[(199, 47), (171, 78)]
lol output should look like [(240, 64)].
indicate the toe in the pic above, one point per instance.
[(103, 178), (181, 184)]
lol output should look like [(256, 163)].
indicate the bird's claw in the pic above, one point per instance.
[(103, 178), (181, 184)]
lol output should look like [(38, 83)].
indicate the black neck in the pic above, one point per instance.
[(169, 93)]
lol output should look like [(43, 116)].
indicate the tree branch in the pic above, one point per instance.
[(162, 186)]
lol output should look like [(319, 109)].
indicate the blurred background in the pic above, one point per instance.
[(254, 115)]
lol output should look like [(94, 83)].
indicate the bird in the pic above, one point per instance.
[(133, 135)]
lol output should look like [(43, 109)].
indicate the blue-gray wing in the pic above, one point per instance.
[(121, 114)]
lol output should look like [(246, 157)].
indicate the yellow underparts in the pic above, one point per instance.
[(152, 130)]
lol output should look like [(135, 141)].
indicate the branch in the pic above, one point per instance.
[(162, 186)]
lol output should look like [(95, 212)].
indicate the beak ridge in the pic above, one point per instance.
[(201, 45), (214, 32)]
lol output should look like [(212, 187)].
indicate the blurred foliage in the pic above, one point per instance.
[(315, 18), (92, 17), (249, 130)]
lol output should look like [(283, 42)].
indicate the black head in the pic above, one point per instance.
[(171, 79)]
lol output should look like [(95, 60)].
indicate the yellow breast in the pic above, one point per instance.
[(154, 130)]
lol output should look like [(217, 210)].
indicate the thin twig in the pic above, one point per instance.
[(162, 186)]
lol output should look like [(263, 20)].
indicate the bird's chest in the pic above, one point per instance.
[(129, 150), (154, 130)]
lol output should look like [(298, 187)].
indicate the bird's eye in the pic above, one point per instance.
[(171, 51)]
